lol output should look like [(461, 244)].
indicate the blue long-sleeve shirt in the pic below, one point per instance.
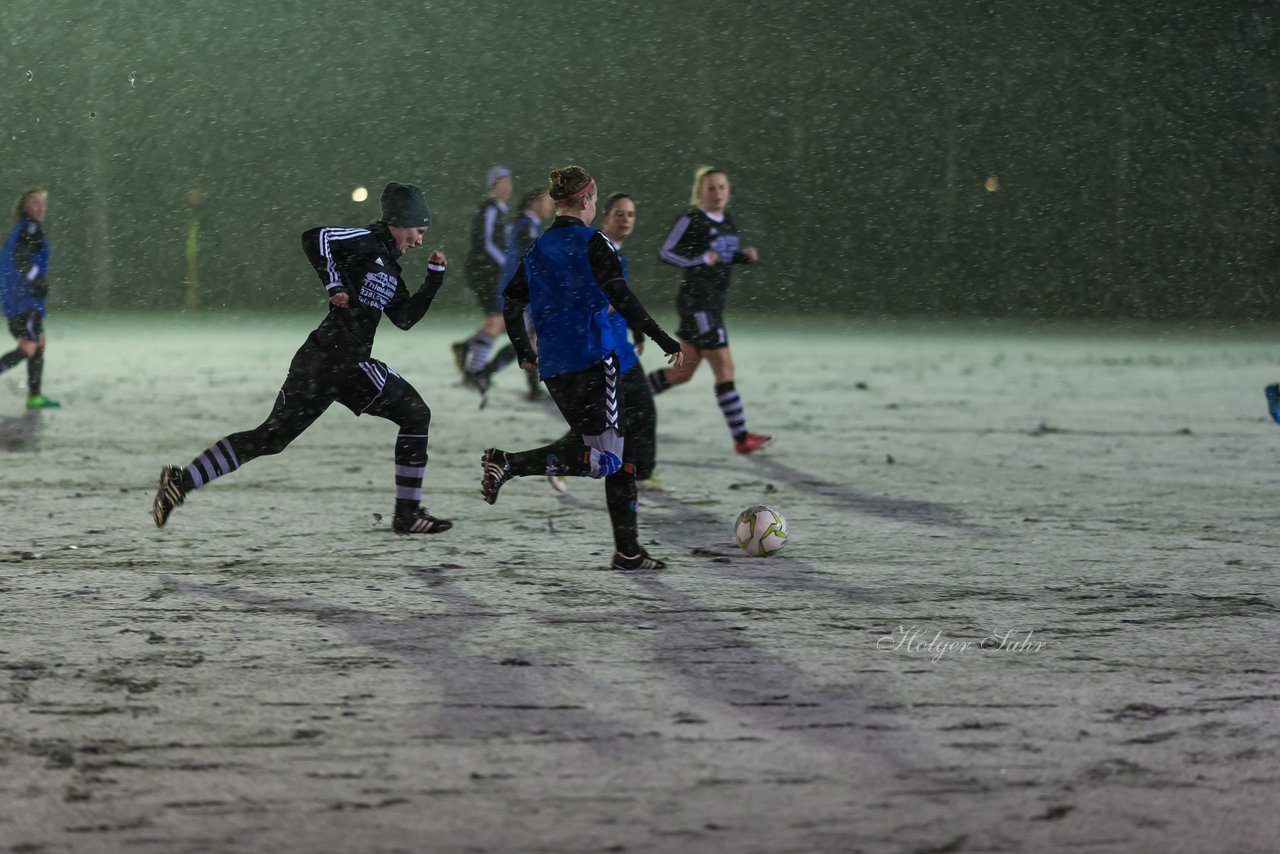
[(521, 233), (622, 343), (23, 264)]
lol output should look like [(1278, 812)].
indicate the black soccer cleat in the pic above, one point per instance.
[(169, 494), (481, 381), (495, 470), (643, 560), (420, 522), (460, 353), (1273, 401)]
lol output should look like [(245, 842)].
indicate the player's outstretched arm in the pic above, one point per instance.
[(404, 313)]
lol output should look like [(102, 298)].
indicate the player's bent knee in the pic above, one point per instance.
[(417, 419), (606, 452), (604, 463), (274, 446), (267, 440)]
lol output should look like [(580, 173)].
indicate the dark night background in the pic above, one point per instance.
[(1134, 144)]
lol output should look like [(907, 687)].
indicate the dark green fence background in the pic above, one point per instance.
[(1134, 144)]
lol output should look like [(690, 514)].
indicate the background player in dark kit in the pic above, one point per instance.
[(360, 271), (534, 208), (704, 243), (486, 254), (24, 263), (569, 280)]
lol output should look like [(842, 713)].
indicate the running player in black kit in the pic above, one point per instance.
[(359, 268), (704, 243)]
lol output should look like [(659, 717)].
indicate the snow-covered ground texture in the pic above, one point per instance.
[(1029, 604)]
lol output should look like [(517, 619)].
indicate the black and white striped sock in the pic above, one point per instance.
[(731, 407), (658, 382), (216, 460), (411, 468), (479, 346)]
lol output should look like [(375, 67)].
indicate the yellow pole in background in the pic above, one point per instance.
[(193, 238)]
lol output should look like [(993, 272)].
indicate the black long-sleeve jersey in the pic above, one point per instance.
[(487, 250), (693, 235), (363, 263)]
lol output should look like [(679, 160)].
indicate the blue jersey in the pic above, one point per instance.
[(568, 308), (521, 233), (622, 342), (22, 269)]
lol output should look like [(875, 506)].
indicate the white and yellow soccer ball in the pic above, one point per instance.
[(761, 531)]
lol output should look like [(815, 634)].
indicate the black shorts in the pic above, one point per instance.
[(29, 326), (704, 330), (591, 399), (368, 386), (484, 284)]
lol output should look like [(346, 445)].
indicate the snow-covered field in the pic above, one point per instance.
[(1029, 604)]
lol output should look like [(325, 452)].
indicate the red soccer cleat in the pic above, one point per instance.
[(751, 442)]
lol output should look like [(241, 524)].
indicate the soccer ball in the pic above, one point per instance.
[(761, 530)]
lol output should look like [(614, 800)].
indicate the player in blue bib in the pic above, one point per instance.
[(617, 221), (569, 280)]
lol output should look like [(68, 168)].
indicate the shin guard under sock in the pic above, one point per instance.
[(731, 407)]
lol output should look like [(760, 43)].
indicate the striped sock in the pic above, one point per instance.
[(731, 407), (658, 382), (218, 459), (479, 346), (411, 468)]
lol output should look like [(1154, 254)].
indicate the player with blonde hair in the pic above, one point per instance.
[(704, 243)]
